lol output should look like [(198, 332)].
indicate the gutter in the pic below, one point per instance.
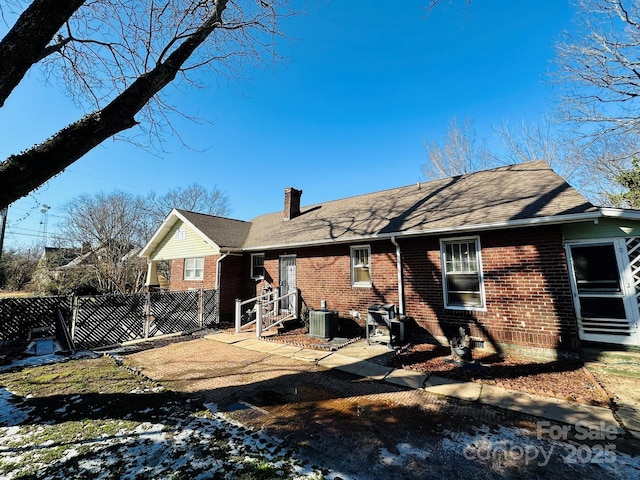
[(399, 269), (527, 222), (626, 214)]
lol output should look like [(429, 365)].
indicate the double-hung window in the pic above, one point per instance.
[(194, 268), (462, 274), (257, 265), (360, 266)]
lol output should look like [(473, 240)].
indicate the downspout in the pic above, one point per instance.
[(218, 275), (399, 270), (219, 272)]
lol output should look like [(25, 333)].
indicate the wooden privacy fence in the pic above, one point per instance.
[(100, 321)]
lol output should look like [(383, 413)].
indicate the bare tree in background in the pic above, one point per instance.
[(115, 57), (457, 154), (540, 141), (597, 137), (591, 165), (111, 228), (17, 267), (194, 198), (598, 71), (605, 160)]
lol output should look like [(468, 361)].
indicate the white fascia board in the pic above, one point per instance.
[(162, 230), (168, 223), (527, 222), (626, 214)]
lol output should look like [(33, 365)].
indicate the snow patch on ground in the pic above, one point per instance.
[(406, 453), (195, 446), (509, 446), (36, 360), (11, 412)]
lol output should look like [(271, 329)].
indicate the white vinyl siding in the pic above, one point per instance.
[(462, 274), (361, 266), (194, 268), (183, 242)]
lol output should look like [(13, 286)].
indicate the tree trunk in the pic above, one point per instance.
[(20, 174), (25, 43)]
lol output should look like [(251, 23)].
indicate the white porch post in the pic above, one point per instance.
[(276, 301), (152, 273), (258, 319), (238, 314)]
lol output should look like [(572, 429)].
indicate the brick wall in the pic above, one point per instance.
[(528, 298), (208, 281), (324, 273), (230, 288)]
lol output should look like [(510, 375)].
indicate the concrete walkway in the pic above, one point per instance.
[(369, 361)]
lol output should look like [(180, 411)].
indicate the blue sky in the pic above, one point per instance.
[(363, 86)]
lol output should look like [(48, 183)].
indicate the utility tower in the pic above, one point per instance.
[(44, 221)]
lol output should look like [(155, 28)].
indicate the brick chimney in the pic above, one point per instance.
[(291, 203)]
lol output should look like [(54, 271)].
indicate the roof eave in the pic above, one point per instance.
[(625, 214), (164, 227), (230, 250), (526, 222), (148, 250)]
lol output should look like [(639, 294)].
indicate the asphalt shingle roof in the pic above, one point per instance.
[(225, 232), (502, 197), (498, 196)]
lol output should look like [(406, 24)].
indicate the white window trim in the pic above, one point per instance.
[(253, 275), (483, 300), (193, 278), (351, 257)]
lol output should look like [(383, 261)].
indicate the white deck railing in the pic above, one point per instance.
[(265, 311)]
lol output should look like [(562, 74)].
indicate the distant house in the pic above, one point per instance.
[(78, 269), (53, 261), (514, 254)]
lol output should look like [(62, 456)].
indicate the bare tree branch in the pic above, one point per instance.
[(122, 68), (457, 154), (599, 68), (25, 44)]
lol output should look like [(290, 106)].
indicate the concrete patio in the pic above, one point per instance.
[(368, 361)]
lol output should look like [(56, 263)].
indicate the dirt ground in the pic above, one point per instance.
[(365, 429), (563, 379), (622, 383)]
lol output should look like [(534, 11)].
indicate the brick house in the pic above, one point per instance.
[(513, 254)]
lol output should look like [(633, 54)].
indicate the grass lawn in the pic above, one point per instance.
[(90, 418)]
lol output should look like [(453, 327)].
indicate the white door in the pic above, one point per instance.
[(604, 291), (287, 272)]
